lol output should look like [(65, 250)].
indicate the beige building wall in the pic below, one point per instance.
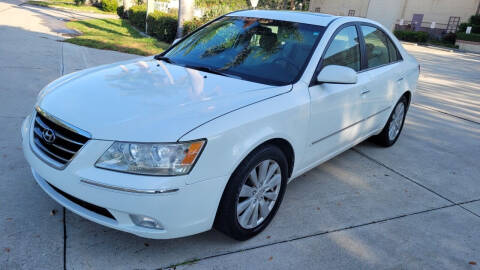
[(388, 12), (340, 7), (439, 11)]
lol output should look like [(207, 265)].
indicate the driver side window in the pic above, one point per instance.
[(344, 50)]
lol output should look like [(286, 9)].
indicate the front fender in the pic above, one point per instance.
[(233, 136)]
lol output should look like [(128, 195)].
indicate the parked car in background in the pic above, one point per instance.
[(210, 132)]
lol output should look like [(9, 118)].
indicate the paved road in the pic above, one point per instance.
[(414, 205)]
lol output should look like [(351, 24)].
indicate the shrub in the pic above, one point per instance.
[(412, 36), (80, 2), (190, 26), (468, 37), (475, 19), (162, 25), (214, 8), (474, 22), (449, 38), (121, 12), (137, 16), (463, 27), (109, 5)]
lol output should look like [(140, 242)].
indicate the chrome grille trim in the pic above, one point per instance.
[(58, 134), (63, 124), (44, 149), (68, 140)]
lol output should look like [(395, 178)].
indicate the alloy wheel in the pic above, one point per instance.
[(259, 194), (396, 121)]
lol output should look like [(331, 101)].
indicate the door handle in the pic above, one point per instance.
[(399, 80), (364, 92)]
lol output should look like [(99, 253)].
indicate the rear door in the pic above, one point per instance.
[(382, 64)]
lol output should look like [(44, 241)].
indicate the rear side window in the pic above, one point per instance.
[(376, 46), (392, 50), (344, 50)]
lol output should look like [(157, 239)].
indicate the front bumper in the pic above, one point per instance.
[(187, 210)]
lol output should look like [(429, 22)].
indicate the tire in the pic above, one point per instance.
[(240, 191), (386, 138)]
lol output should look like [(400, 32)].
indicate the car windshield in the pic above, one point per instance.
[(261, 50)]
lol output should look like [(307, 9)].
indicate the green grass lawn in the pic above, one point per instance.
[(68, 4), (114, 34)]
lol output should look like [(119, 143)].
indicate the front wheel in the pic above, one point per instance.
[(394, 125), (253, 193)]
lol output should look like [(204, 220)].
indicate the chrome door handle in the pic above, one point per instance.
[(365, 91)]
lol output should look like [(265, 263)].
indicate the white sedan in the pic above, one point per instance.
[(209, 133)]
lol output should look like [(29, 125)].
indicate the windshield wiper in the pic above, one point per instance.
[(209, 70), (163, 58)]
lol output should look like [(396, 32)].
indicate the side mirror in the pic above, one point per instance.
[(337, 74), (175, 41)]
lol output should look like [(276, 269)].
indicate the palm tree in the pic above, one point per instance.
[(185, 13)]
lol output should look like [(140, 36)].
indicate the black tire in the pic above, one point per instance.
[(383, 139), (226, 220)]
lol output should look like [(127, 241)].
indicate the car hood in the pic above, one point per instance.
[(146, 100)]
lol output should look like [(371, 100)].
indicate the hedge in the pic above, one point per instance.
[(214, 8), (109, 5), (463, 28), (468, 37), (137, 16), (190, 26), (121, 12), (162, 25), (413, 36), (475, 19)]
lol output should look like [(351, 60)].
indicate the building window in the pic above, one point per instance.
[(317, 9), (453, 24), (351, 12)]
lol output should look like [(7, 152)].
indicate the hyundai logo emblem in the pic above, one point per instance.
[(48, 135)]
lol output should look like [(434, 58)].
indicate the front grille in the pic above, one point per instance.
[(94, 208), (55, 140)]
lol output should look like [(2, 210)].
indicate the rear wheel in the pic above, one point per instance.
[(394, 126), (253, 194)]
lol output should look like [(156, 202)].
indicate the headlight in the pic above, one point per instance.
[(151, 158)]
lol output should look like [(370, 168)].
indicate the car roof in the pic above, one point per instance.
[(284, 15)]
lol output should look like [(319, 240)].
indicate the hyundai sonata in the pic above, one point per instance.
[(209, 133)]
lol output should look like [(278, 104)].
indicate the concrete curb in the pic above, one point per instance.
[(439, 48), (141, 32)]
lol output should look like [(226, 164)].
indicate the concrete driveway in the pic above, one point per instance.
[(414, 205)]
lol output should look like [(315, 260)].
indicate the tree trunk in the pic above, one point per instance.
[(150, 9), (185, 13)]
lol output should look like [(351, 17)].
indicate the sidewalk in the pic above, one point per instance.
[(31, 235), (72, 13)]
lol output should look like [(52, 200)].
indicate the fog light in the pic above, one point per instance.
[(146, 222)]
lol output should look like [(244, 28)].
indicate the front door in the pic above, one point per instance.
[(336, 109)]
